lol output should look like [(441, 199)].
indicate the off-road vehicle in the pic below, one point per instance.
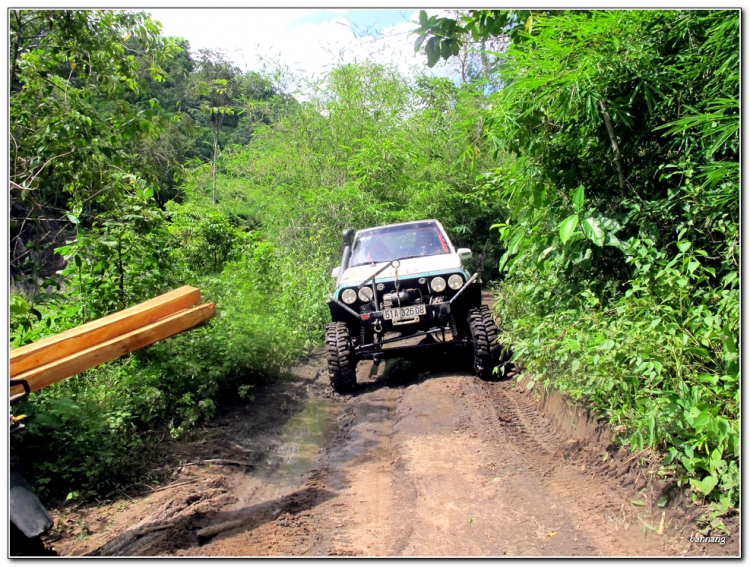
[(398, 282)]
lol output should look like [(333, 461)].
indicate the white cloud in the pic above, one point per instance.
[(308, 49)]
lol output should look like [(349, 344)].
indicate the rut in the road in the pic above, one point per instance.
[(432, 463), (531, 452), (452, 466)]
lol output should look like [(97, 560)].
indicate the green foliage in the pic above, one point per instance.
[(81, 442), (446, 36), (76, 120), (124, 257), (622, 253), (204, 240), (368, 148), (70, 69), (608, 163)]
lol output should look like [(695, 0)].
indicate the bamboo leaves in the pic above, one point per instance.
[(640, 109)]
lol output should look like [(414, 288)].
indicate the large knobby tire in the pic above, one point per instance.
[(484, 339), (342, 363), (21, 546)]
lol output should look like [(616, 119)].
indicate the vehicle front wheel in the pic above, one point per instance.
[(342, 362), (21, 546), (484, 338)]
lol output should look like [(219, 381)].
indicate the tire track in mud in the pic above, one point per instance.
[(424, 462), (362, 453), (597, 507), (504, 425)]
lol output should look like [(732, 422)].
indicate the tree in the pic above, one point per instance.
[(447, 36), (261, 104), (217, 88), (478, 61), (179, 134), (621, 136), (75, 121)]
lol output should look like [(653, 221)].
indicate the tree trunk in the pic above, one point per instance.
[(14, 53), (122, 272), (218, 119), (213, 163), (615, 148)]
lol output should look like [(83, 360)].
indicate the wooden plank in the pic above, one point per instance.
[(86, 336), (109, 350)]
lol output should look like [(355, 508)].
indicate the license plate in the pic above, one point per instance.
[(404, 312)]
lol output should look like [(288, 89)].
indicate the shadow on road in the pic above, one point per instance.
[(401, 373), (252, 517), (189, 530)]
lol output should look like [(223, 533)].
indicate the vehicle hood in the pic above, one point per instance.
[(410, 267)]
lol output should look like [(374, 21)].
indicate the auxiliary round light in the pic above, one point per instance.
[(365, 294), (455, 282), (437, 284), (349, 296)]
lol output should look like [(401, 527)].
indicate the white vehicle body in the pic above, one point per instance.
[(403, 281), (425, 266)]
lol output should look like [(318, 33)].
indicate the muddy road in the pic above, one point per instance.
[(423, 459)]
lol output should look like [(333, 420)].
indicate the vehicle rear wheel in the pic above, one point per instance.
[(484, 338), (342, 363)]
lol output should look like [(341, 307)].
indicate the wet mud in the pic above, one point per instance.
[(423, 459)]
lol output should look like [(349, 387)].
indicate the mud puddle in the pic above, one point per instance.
[(423, 459), (285, 465), (244, 467), (302, 438)]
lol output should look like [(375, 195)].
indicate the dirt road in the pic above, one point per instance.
[(418, 462)]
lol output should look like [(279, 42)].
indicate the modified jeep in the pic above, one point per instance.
[(400, 282)]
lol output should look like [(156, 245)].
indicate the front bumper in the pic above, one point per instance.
[(381, 351), (435, 313), (438, 318), (433, 323)]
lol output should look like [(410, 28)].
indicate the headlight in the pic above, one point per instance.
[(365, 294), (455, 281), (349, 296), (437, 284)]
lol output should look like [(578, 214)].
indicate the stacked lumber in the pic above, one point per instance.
[(66, 354)]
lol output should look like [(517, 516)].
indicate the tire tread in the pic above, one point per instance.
[(484, 337), (340, 355)]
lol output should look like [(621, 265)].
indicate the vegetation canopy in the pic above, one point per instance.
[(591, 156)]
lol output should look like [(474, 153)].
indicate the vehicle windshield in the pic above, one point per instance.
[(397, 242)]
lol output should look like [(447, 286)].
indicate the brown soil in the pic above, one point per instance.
[(417, 462)]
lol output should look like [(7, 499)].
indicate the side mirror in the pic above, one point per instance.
[(335, 271), (463, 253), (348, 236)]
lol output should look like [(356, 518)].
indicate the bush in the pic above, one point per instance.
[(622, 134)]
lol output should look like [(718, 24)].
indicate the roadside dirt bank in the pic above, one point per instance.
[(422, 460)]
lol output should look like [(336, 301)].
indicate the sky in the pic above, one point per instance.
[(307, 41)]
